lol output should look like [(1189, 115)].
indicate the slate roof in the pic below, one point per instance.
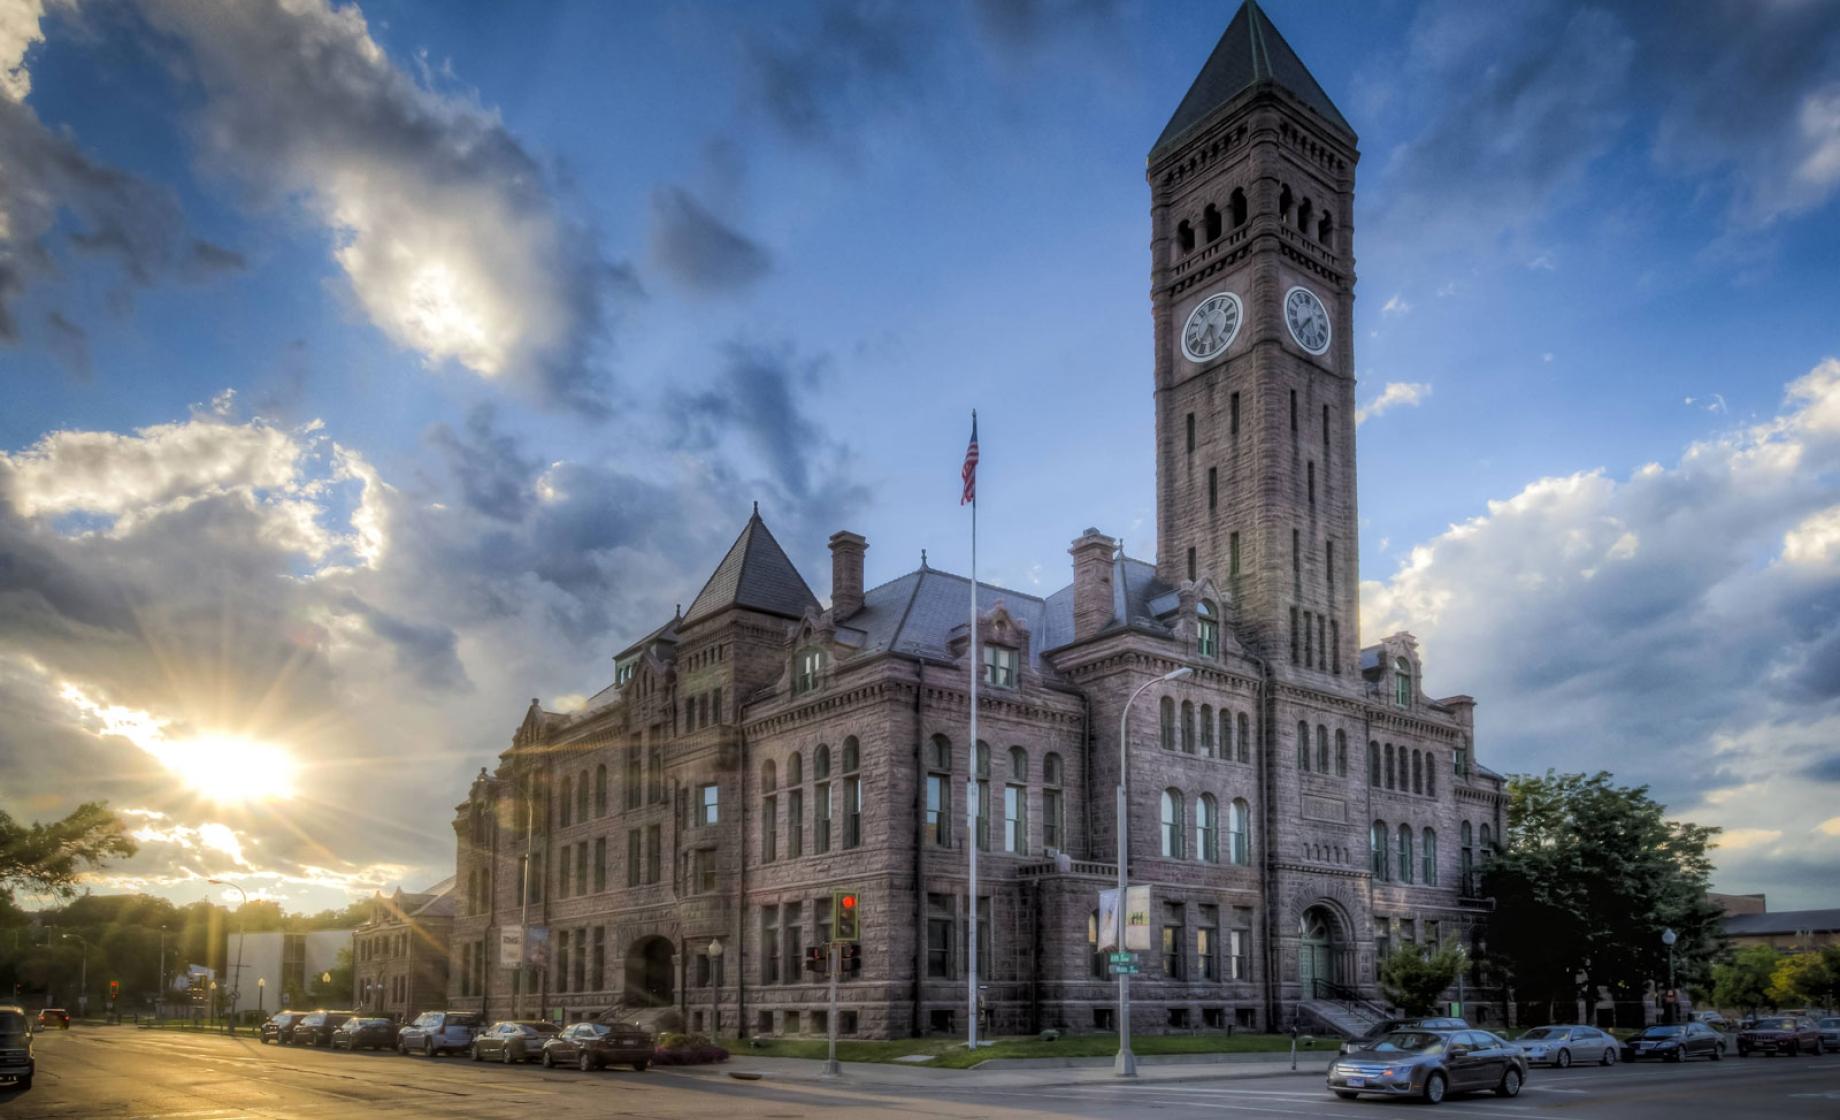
[(1250, 53), (1782, 921), (756, 574)]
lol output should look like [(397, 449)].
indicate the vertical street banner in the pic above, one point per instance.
[(1108, 920), (510, 946), (536, 946), (1137, 918)]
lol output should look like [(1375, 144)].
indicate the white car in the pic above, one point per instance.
[(1562, 1045)]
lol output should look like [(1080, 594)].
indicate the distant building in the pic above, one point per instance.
[(399, 956), (1739, 903), (278, 969), (1784, 929)]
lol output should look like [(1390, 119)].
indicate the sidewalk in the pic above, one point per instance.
[(1024, 1073)]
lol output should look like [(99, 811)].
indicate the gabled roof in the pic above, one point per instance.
[(1788, 922), (757, 575), (1250, 53)]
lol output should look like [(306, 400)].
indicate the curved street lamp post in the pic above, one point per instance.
[(242, 935)]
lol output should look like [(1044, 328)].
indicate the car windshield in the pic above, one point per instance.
[(544, 1028), (12, 1022), (1659, 1032), (427, 1019), (456, 1019), (1411, 1042), (1775, 1024), (1538, 1033), (1829, 1024)]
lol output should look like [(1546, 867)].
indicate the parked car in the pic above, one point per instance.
[(17, 1062), (365, 1032), (1781, 1034), (54, 1017), (438, 1032), (1388, 1026), (279, 1027), (1674, 1043), (1563, 1045), (1830, 1032), (1713, 1019), (316, 1027), (589, 1046), (1431, 1064), (519, 1040)]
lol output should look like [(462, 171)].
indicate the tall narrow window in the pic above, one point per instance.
[(1207, 630), (1172, 824), (1015, 820), (1322, 749), (654, 852), (1293, 635), (562, 881), (1207, 942), (1191, 565), (938, 826), (852, 793), (1239, 945), (1167, 728), (635, 857), (795, 823), (1373, 764), (1402, 682), (769, 829), (821, 817), (1237, 203), (1188, 727), (1245, 738), (1418, 773), (1191, 433), (1296, 562), (1173, 941), (1322, 643), (1329, 567), (1309, 641), (1210, 222), (1213, 488), (1466, 860), (983, 795), (566, 802), (1233, 414), (1207, 829), (1206, 724), (1378, 841), (1405, 853), (1341, 753), (1233, 554), (1428, 851), (1430, 774), (1389, 766), (1293, 412), (1335, 647), (1185, 236), (1239, 830), (939, 922), (1303, 745), (600, 790), (600, 864), (1310, 472), (1051, 803)]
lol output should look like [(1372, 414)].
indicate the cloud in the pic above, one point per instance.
[(1395, 305), (1680, 626), (818, 84), (19, 32), (698, 250), (1396, 394), (454, 241), (1712, 402)]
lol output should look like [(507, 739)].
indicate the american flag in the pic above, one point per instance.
[(969, 471)]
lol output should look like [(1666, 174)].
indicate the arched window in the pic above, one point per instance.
[(1430, 774), (581, 796), (1172, 824), (1488, 845), (1428, 850), (1418, 773), (795, 770), (1402, 683), (1325, 231), (852, 755), (566, 802), (1284, 204), (1237, 203), (1018, 765), (1188, 727), (769, 776), (1052, 810), (1245, 739), (1389, 766), (1207, 731), (1304, 214), (1322, 749), (1207, 829), (1239, 829), (942, 753), (1210, 222), (600, 790), (1051, 770), (1405, 853), (821, 762), (1303, 745), (1341, 753), (1168, 709), (983, 759), (1373, 764), (1185, 236), (1378, 840)]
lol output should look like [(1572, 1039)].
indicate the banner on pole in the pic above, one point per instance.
[(1108, 920), (1137, 918), (510, 946), (536, 946)]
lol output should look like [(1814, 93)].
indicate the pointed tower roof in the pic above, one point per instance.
[(756, 574), (1250, 53)]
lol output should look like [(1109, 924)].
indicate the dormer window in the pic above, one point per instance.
[(1207, 630), (623, 671), (999, 667), (1402, 683), (808, 670)]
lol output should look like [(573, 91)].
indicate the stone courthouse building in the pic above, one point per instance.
[(1298, 803)]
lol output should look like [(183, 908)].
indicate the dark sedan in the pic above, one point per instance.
[(589, 1046), (17, 1062), (1430, 1065), (1780, 1034), (1675, 1043), (365, 1033), (513, 1041), (279, 1027), (54, 1017), (317, 1027)]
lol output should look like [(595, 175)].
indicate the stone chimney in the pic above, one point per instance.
[(1092, 582), (847, 550)]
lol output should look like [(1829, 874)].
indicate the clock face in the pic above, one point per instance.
[(1211, 326), (1308, 320)]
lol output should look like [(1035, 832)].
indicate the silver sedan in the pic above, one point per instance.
[(1562, 1045)]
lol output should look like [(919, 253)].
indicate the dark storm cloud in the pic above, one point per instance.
[(756, 395), (818, 83), (208, 258), (495, 477), (1024, 26), (69, 342), (699, 250), (428, 652), (1825, 768)]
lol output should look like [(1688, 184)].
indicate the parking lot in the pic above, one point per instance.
[(122, 1072)]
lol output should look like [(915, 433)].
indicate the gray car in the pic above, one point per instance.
[(1562, 1045), (1431, 1064), (1830, 1032)]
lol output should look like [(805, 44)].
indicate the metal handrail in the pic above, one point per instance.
[(1339, 993)]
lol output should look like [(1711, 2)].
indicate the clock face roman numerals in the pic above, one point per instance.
[(1308, 319), (1211, 326)]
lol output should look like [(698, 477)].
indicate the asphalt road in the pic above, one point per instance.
[(128, 1074)]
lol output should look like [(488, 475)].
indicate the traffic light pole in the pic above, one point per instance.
[(831, 1069)]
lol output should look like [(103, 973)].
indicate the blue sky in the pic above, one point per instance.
[(522, 307)]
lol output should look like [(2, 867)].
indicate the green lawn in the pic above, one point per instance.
[(951, 1053)]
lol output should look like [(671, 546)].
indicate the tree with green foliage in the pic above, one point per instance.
[(1588, 877), (1801, 978), (1416, 978), (1744, 982), (46, 858)]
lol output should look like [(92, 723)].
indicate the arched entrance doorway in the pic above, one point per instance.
[(1319, 951), (649, 972)]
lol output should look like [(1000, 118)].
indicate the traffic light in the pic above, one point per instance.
[(846, 916), (114, 990), (849, 960), (817, 959)]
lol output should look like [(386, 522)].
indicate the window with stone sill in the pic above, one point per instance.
[(808, 670), (1402, 683), (1207, 631), (708, 810), (999, 666)]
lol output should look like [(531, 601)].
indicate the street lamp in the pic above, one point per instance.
[(1668, 937), (1125, 1064), (715, 986), (261, 992), (242, 935)]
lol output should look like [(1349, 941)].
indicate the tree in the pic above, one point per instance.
[(1414, 978), (1801, 978), (1590, 875), (46, 858), (1744, 983)]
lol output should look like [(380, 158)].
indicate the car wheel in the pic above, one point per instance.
[(1346, 1095), (24, 1082), (505, 1054), (1564, 1060), (1718, 1052), (549, 1059), (1608, 1057), (1435, 1085), (1677, 1055), (584, 1062), (640, 1066), (476, 1056), (1818, 1048), (1510, 1083)]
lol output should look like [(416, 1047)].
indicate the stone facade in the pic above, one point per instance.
[(1297, 803), (400, 956)]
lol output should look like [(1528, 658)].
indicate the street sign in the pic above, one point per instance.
[(1124, 969), (1122, 958)]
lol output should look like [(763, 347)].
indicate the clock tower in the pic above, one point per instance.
[(1252, 292)]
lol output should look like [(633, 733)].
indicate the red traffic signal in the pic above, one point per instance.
[(114, 988), (846, 916)]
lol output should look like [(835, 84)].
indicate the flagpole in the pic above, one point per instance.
[(971, 786)]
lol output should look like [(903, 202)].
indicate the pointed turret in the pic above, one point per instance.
[(1251, 53), (755, 575)]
